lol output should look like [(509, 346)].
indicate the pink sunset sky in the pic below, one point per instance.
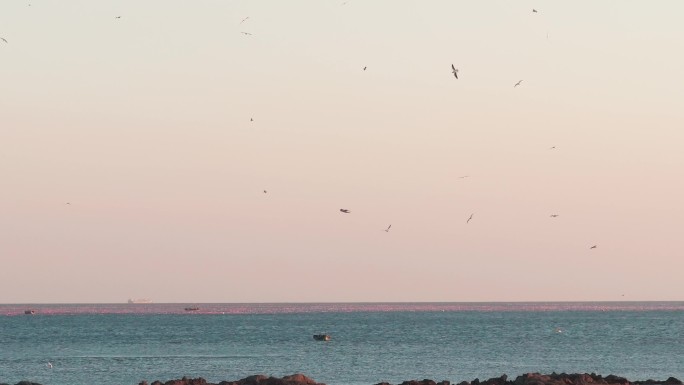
[(130, 167)]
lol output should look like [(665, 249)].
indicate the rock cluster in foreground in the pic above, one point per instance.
[(525, 379)]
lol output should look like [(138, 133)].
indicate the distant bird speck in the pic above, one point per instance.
[(345, 211), (554, 215), (245, 19), (387, 229), (471, 217), (517, 84), (117, 17), (454, 71), (534, 10), (265, 191), (3, 39), (49, 365), (364, 68), (593, 247), (246, 33), (251, 119), (69, 203), (552, 148), (463, 177)]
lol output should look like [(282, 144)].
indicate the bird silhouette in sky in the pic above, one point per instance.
[(593, 247), (454, 71), (345, 211), (469, 218), (265, 191), (552, 148), (534, 10), (245, 19), (554, 215), (364, 68), (387, 229), (251, 119), (246, 33), (517, 84), (3, 39), (463, 177), (117, 17)]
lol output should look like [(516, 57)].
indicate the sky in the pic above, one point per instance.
[(134, 151)]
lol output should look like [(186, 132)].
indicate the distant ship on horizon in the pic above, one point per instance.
[(139, 300)]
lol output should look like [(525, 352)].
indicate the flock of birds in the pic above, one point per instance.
[(454, 71)]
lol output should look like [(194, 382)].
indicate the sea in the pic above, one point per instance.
[(108, 344)]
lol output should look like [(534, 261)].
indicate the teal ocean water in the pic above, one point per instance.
[(124, 344)]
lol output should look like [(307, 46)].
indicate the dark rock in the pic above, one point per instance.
[(525, 379)]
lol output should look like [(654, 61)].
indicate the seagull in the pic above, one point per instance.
[(517, 84), (345, 211), (245, 19), (387, 229), (593, 247), (554, 215), (471, 217), (454, 71), (49, 365), (534, 10), (364, 68), (246, 33), (3, 39)]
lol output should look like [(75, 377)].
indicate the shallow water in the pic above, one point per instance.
[(124, 344)]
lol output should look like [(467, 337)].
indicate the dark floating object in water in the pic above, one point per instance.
[(321, 337), (29, 312), (191, 308)]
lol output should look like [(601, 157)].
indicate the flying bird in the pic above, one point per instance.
[(364, 68), (69, 203), (593, 247), (454, 71), (463, 177), (245, 19), (552, 148), (345, 211), (554, 215), (265, 191), (387, 229), (3, 39), (117, 17), (251, 119), (471, 217), (517, 84), (534, 10), (246, 33)]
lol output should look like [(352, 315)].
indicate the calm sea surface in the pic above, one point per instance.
[(124, 344)]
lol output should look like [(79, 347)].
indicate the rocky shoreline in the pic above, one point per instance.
[(525, 379)]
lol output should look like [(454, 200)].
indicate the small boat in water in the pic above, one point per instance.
[(29, 312), (322, 337), (191, 309)]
